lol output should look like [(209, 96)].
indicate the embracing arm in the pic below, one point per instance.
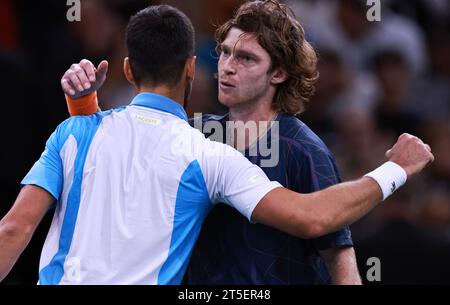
[(19, 224), (316, 214)]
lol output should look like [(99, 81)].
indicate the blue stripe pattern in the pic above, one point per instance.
[(192, 204), (83, 128)]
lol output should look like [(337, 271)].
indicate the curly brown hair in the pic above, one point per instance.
[(281, 35)]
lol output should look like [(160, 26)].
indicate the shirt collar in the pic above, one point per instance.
[(159, 102)]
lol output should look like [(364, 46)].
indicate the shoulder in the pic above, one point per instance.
[(308, 156), (81, 126), (89, 120), (299, 137)]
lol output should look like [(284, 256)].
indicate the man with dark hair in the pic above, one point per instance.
[(160, 55), (266, 74), (134, 185)]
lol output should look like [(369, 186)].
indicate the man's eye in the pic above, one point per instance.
[(245, 58)]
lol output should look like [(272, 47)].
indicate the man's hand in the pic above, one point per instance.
[(410, 153), (83, 78)]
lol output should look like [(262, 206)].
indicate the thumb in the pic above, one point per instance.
[(102, 68), (389, 154)]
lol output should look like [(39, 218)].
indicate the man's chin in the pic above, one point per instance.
[(226, 100)]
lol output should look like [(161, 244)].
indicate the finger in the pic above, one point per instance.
[(89, 69), (403, 135), (388, 153), (67, 88), (74, 81), (102, 68), (428, 147), (82, 77)]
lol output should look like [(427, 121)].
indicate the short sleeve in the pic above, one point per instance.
[(47, 172), (234, 180)]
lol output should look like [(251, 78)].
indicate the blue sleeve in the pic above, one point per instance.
[(47, 172), (318, 171)]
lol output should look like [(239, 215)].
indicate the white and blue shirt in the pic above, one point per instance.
[(133, 187)]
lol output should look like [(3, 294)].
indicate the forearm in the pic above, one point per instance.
[(19, 224), (316, 214), (13, 241), (342, 266), (337, 206)]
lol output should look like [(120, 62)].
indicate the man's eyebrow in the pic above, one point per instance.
[(238, 51), (224, 46), (241, 52)]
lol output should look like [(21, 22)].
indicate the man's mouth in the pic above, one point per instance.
[(225, 84)]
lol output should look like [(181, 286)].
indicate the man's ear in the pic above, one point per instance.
[(127, 71), (190, 68), (279, 76)]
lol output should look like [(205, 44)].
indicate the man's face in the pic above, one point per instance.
[(243, 71)]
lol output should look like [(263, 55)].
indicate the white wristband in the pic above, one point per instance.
[(390, 176)]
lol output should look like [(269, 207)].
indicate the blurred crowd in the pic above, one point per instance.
[(377, 81)]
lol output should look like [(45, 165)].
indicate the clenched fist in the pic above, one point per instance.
[(410, 153), (83, 78)]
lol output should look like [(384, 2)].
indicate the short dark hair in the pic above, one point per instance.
[(159, 39)]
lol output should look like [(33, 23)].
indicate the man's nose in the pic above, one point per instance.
[(228, 65)]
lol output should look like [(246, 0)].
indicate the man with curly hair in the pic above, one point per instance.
[(266, 73)]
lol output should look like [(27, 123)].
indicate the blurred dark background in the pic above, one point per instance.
[(377, 81)]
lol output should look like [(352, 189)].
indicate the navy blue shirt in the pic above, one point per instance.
[(231, 250)]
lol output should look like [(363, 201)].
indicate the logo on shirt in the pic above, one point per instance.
[(256, 178), (151, 121)]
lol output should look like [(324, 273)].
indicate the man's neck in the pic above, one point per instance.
[(175, 93), (261, 114)]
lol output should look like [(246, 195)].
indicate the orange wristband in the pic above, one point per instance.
[(85, 105)]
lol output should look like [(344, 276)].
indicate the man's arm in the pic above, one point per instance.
[(18, 226), (316, 214), (342, 266)]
